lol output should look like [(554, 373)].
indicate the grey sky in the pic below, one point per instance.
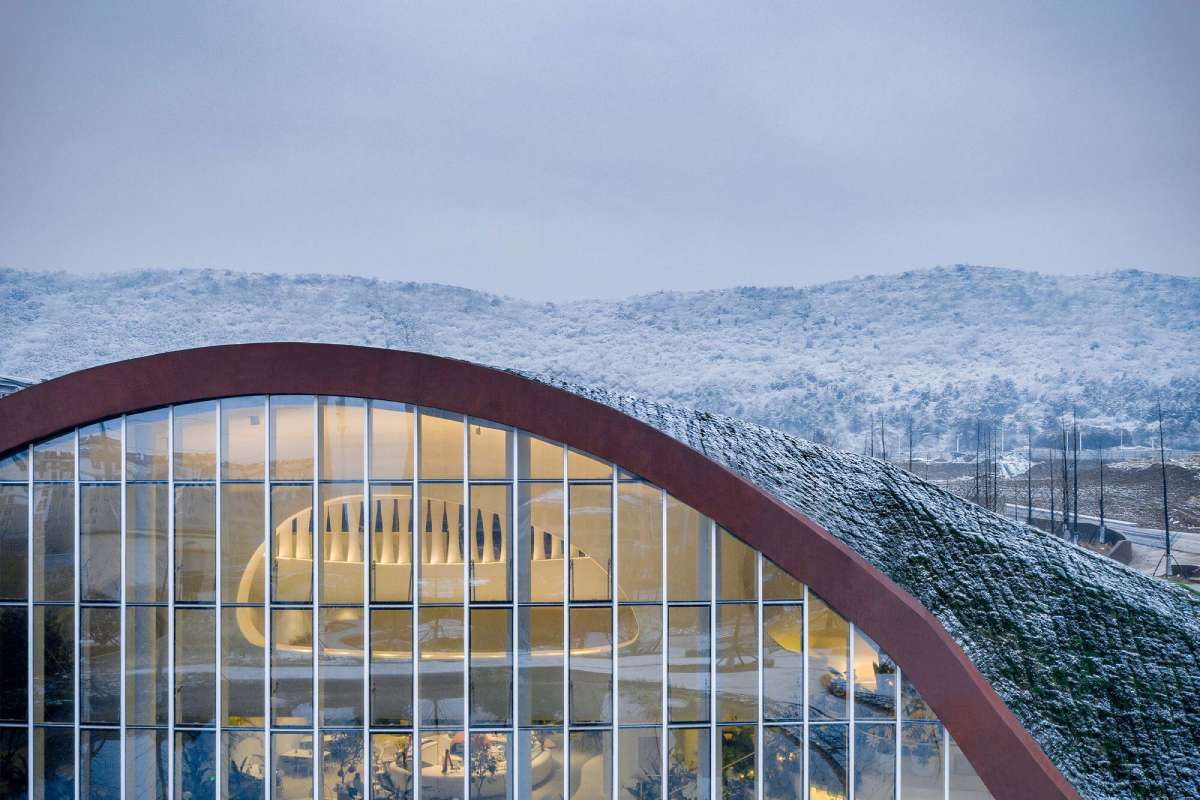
[(567, 150)]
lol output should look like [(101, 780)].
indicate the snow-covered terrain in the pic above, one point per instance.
[(947, 345)]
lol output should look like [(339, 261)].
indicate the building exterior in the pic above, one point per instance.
[(514, 589)]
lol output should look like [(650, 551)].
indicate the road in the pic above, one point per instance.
[(1181, 541)]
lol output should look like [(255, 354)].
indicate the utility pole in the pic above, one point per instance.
[(910, 443), (1052, 520), (1102, 535), (1029, 483), (1075, 475), (1162, 460)]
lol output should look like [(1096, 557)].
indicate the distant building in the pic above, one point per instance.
[(10, 385)]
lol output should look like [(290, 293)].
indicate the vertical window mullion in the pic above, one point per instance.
[(467, 548), (170, 602), (317, 576), (418, 553), (850, 714), (268, 739), (759, 755), (566, 633), (368, 770), (713, 727), (514, 557), (75, 683), (664, 730), (897, 720), (29, 654), (613, 595), (218, 717), (805, 648)]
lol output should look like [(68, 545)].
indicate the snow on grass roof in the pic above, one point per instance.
[(1100, 663)]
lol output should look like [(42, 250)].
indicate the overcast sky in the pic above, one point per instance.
[(566, 150)]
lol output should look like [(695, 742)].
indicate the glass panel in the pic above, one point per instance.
[(735, 568), (54, 460), (342, 762), (965, 784), (591, 765), (911, 702), (242, 667), (292, 762), (490, 759), (242, 433), (14, 645), (490, 541), (491, 678), (53, 664), (100, 542), (100, 765), (391, 667), (54, 542), (196, 441), (195, 673), (640, 541), (15, 467), (687, 552), (874, 680), (875, 762), (538, 459), (146, 511), (291, 524), (828, 760), (100, 451), (828, 661), (291, 666), (783, 662), (441, 445), (343, 524), (688, 656), (738, 759), (639, 763), (14, 755), (591, 542), (541, 764), (241, 543), (591, 666), (391, 441), (391, 542), (342, 438), (441, 520), (54, 763), (921, 761), (640, 654), (195, 543), (146, 764), (778, 584), (737, 663), (491, 448), (540, 521), (440, 676), (540, 655), (100, 665), (146, 442), (783, 764), (195, 765), (245, 766), (147, 680), (14, 542), (688, 768), (583, 467), (342, 667), (442, 768), (391, 766), (291, 438)]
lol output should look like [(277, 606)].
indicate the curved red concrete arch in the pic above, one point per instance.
[(1003, 753)]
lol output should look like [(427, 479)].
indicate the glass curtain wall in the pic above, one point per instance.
[(326, 597)]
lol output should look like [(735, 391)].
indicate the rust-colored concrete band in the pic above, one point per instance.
[(1001, 750)]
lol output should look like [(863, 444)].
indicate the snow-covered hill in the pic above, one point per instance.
[(948, 345)]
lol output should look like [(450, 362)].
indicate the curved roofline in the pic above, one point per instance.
[(1005, 756)]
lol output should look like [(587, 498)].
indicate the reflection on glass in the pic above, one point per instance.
[(591, 765), (342, 764), (639, 655), (688, 769), (875, 762), (13, 643), (100, 665), (640, 541), (147, 680), (441, 435), (965, 784), (491, 755), (687, 552), (243, 430), (828, 760), (341, 666), (14, 541), (292, 759), (540, 523), (241, 543), (737, 663), (491, 666), (343, 539), (912, 704), (53, 664), (195, 441), (291, 438), (195, 675), (14, 749), (591, 665), (391, 766), (441, 542), (195, 543), (391, 441), (921, 760), (146, 443), (540, 761), (639, 763), (54, 763), (440, 676), (15, 467), (783, 662), (489, 542), (146, 542), (490, 450), (100, 542), (53, 542), (242, 667), (342, 420), (582, 467), (738, 760), (442, 767), (146, 764), (100, 765), (391, 667), (736, 574), (874, 680), (828, 661), (778, 584), (54, 460), (195, 765), (244, 773), (783, 763), (591, 541), (538, 459), (391, 542), (688, 654), (291, 542), (100, 451), (540, 654), (291, 666)]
